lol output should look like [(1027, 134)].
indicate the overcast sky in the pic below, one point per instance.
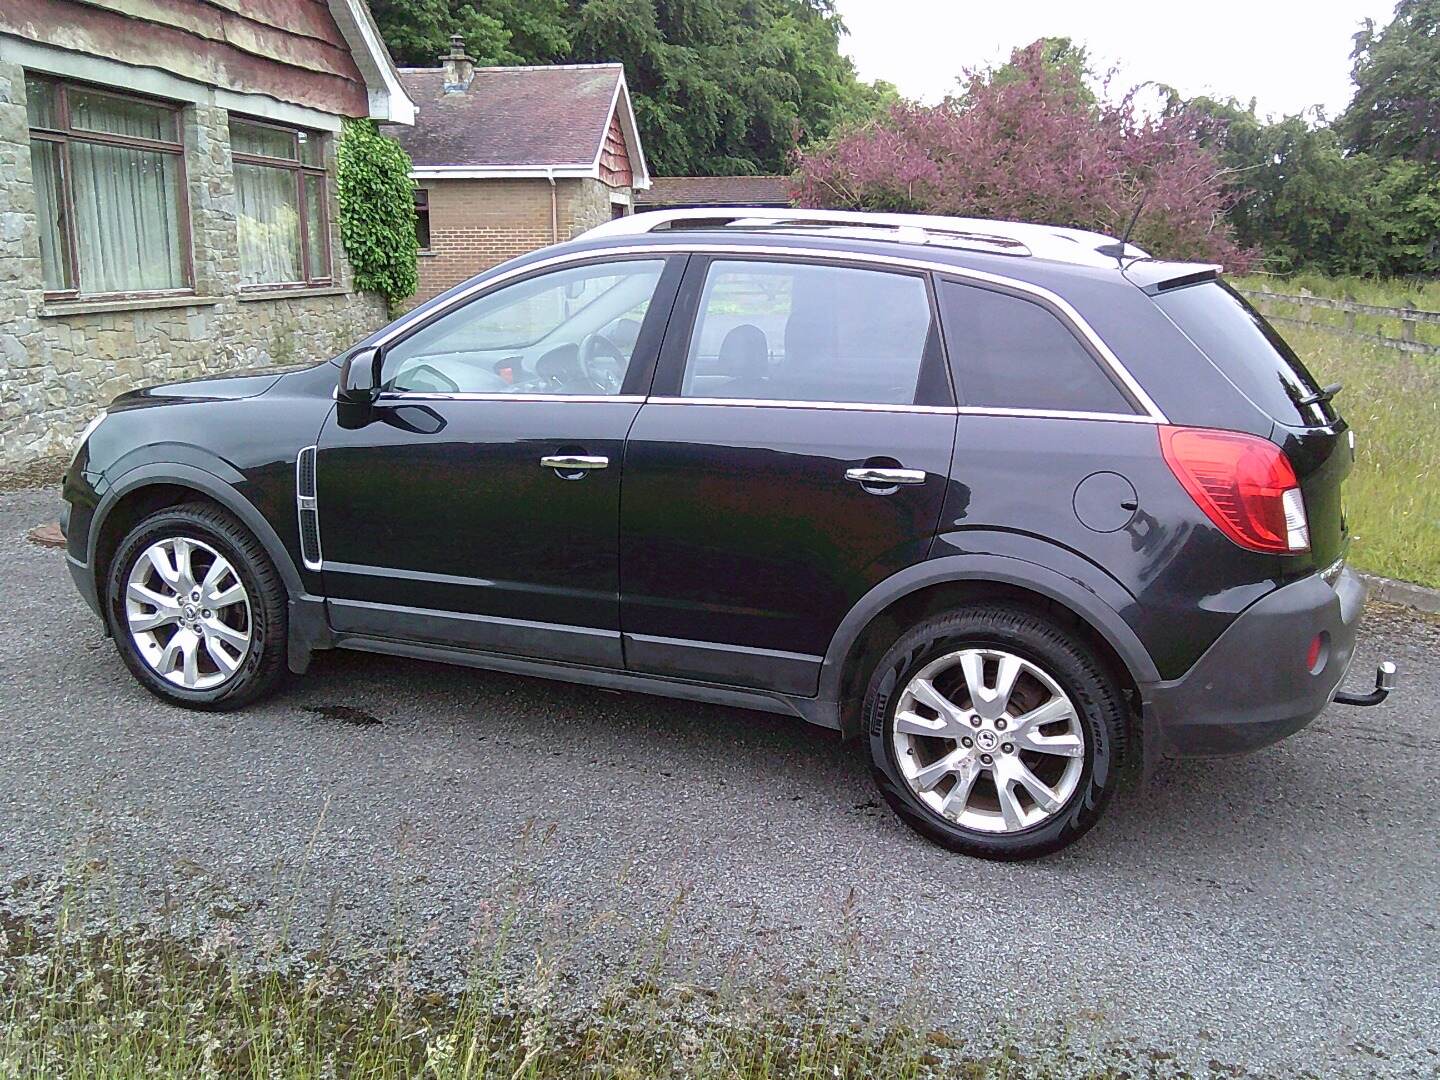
[(1289, 54)]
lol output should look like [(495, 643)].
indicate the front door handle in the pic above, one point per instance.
[(871, 478), (574, 466)]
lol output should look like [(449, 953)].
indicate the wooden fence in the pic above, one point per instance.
[(1409, 318)]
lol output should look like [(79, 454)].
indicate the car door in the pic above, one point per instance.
[(477, 503), (793, 453)]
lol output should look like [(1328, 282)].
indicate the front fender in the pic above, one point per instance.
[(1089, 595), (309, 628), (217, 485)]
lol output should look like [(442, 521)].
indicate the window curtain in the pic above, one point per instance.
[(120, 116), (269, 221), (54, 253), (315, 263), (127, 218)]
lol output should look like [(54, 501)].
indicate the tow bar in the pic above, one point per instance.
[(1384, 683)]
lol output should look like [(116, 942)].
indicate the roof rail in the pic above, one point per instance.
[(979, 234)]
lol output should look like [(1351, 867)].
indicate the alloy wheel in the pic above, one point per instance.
[(188, 613), (989, 740)]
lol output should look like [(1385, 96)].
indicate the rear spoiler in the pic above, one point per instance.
[(1156, 276)]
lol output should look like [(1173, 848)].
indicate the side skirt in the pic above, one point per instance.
[(810, 710)]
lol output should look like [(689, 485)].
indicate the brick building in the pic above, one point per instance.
[(513, 158)]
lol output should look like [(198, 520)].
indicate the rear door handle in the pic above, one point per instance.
[(574, 466), (869, 477)]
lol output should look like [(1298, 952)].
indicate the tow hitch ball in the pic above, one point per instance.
[(1384, 683)]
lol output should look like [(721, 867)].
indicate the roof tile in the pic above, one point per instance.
[(510, 115)]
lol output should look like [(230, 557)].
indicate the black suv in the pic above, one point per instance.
[(1015, 504)]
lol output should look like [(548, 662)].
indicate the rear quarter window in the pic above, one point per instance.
[(1011, 353), (1245, 347)]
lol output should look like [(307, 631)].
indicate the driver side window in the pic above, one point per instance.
[(570, 331)]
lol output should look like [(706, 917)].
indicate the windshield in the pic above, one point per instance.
[(1246, 348)]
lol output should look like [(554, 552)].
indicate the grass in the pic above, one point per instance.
[(1392, 499), (1383, 292), (1389, 292), (81, 1001)]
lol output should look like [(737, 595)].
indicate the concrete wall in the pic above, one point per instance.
[(477, 224), (60, 361)]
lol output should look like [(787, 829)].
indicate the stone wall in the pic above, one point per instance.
[(61, 361), (477, 224)]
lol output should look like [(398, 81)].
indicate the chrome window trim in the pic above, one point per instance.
[(1152, 412), (1058, 414), (944, 410), (780, 403), (426, 395), (773, 403)]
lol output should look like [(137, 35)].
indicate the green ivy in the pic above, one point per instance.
[(377, 211)]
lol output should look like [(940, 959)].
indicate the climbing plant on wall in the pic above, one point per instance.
[(377, 211)]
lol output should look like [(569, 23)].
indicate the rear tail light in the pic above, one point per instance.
[(1245, 485)]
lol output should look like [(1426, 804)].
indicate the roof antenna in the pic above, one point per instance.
[(1125, 238)]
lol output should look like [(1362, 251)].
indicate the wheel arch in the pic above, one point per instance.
[(147, 488), (941, 584)]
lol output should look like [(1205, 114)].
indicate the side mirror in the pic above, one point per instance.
[(359, 378)]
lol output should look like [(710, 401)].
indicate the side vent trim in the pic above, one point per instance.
[(308, 510)]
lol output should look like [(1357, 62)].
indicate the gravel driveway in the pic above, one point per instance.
[(1277, 912)]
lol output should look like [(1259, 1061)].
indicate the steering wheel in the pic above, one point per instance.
[(603, 363)]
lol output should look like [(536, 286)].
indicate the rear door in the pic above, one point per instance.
[(793, 454)]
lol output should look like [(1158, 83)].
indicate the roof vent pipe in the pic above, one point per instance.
[(459, 68)]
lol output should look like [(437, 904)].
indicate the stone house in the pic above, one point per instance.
[(510, 159), (167, 196)]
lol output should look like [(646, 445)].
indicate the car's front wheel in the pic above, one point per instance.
[(197, 609), (995, 732)]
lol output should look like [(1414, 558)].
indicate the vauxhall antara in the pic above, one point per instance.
[(1019, 508)]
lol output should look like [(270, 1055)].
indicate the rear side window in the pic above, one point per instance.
[(1239, 341), (788, 331), (1009, 353)]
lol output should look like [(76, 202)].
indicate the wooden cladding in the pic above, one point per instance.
[(615, 168), (291, 50)]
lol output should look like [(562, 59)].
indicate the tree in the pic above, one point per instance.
[(719, 86), (727, 86), (417, 32), (1034, 146), (1396, 108), (1308, 204), (1060, 59)]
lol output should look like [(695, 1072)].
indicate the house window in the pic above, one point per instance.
[(422, 218), (280, 204), (109, 177)]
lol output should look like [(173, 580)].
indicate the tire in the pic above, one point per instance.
[(158, 622), (943, 789)]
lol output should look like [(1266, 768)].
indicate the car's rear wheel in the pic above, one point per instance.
[(995, 731), (196, 608)]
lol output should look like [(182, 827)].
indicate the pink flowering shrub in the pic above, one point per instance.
[(1036, 148)]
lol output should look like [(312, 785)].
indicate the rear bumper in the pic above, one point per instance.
[(1251, 688)]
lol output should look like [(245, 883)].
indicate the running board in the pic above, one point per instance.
[(1384, 683)]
